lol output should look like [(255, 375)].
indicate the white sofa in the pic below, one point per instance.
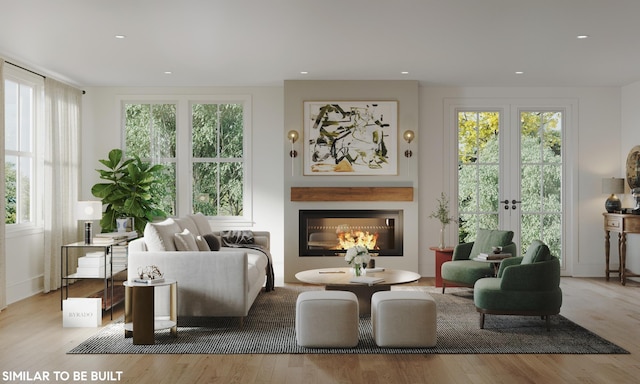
[(222, 283)]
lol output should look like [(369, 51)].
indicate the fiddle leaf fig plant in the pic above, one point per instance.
[(126, 192)]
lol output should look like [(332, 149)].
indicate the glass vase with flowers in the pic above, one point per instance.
[(358, 257)]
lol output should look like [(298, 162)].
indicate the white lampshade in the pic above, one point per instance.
[(612, 185), (88, 210)]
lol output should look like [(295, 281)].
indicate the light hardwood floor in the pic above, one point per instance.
[(33, 341)]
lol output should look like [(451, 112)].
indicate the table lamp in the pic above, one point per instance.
[(88, 211), (612, 186)]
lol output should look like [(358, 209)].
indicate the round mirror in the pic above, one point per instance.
[(633, 167)]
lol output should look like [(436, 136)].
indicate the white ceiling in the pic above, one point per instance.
[(263, 42)]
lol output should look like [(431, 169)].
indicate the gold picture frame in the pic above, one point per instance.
[(633, 167)]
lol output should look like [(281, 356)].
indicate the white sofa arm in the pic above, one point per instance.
[(209, 283)]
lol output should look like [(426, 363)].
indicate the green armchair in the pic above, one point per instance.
[(527, 285), (462, 271)]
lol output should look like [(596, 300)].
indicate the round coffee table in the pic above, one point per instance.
[(339, 279)]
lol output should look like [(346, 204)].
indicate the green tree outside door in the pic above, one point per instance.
[(508, 183)]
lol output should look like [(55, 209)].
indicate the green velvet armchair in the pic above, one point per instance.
[(462, 271), (527, 285)]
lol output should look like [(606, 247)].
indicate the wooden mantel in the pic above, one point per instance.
[(351, 193)]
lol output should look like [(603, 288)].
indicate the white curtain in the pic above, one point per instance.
[(3, 214), (62, 163)]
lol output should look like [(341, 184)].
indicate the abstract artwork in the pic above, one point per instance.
[(350, 137)]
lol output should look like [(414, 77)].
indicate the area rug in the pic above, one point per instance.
[(270, 328)]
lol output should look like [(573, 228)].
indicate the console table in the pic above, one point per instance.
[(621, 224), (109, 268)]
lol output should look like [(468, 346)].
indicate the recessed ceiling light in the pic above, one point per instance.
[(120, 36), (519, 73), (304, 72), (582, 37), (404, 72), (167, 72)]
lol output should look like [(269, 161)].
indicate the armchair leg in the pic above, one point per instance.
[(482, 321), (443, 285), (548, 318)]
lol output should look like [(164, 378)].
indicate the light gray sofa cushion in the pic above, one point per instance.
[(159, 236)]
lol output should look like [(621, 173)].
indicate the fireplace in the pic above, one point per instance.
[(331, 232)]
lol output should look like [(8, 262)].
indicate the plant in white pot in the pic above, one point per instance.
[(442, 214), (127, 192)]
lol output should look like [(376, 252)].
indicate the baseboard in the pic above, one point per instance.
[(24, 289)]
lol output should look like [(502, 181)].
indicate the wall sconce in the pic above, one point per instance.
[(408, 136), (612, 186), (88, 211), (293, 137)]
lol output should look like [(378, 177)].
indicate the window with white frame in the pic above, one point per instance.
[(23, 106), (150, 134), (203, 145)]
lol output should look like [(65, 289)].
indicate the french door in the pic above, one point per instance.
[(510, 173)]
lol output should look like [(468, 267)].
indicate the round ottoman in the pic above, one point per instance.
[(403, 319), (327, 319)]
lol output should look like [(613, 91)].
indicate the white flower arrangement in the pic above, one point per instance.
[(357, 255)]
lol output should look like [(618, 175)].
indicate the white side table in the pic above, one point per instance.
[(139, 318)]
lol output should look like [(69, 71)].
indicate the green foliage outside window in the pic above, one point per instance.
[(10, 193), (150, 134), (541, 176), (217, 145), (218, 168), (20, 119)]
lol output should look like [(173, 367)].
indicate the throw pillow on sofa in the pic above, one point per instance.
[(213, 241), (202, 244), (185, 241), (159, 236)]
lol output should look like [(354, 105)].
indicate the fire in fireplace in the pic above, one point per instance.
[(331, 232)]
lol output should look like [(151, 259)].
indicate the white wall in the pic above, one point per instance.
[(25, 263), (630, 137)]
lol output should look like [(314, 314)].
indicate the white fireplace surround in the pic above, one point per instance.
[(405, 92)]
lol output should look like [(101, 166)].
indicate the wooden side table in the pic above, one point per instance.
[(622, 224), (139, 318), (442, 255)]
